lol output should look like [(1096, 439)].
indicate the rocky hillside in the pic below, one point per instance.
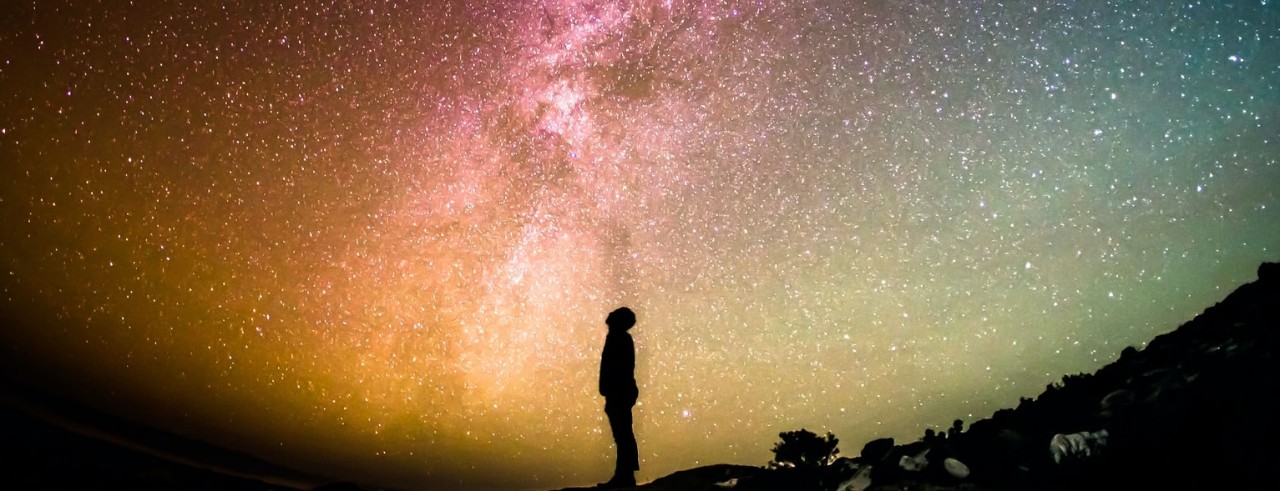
[(1196, 409)]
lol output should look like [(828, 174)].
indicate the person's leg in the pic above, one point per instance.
[(624, 439)]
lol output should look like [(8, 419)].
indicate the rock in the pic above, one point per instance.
[(1117, 400), (914, 464), (875, 450), (1077, 445), (956, 468), (1269, 271), (859, 482)]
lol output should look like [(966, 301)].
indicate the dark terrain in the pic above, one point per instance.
[(54, 443), (1195, 409)]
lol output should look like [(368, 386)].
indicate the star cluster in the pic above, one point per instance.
[(378, 239)]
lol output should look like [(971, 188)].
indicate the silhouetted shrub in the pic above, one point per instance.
[(804, 449), (957, 427)]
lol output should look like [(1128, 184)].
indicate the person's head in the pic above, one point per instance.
[(621, 319)]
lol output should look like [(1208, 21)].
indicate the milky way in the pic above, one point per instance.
[(378, 240)]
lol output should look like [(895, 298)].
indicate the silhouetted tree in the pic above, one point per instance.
[(804, 449)]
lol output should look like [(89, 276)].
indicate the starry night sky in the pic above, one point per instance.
[(378, 239)]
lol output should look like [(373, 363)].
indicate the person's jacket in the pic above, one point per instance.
[(618, 365)]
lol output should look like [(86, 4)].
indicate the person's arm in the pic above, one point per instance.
[(605, 369), (629, 362)]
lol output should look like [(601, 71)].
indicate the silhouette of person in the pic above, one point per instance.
[(618, 386)]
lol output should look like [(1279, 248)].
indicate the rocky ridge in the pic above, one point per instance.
[(1195, 409)]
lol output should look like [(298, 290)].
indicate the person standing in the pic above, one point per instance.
[(618, 386)]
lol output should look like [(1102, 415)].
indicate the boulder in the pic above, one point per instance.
[(1077, 446), (1116, 401), (875, 450), (956, 468), (914, 464), (859, 482)]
